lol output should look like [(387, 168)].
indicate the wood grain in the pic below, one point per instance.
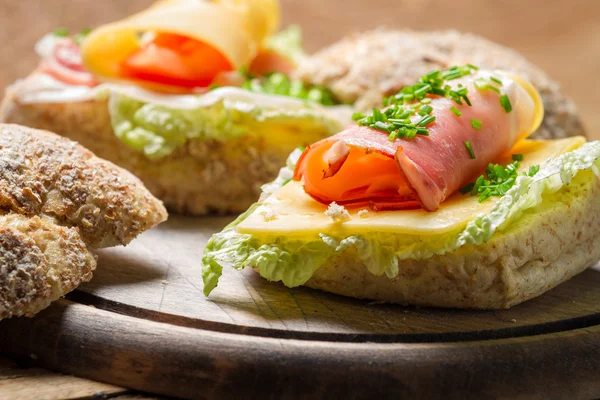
[(196, 363), (143, 323), (158, 277), (24, 382)]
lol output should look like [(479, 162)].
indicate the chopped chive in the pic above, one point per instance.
[(470, 150), (505, 102), (455, 111), (534, 169), (433, 74), (426, 120), (487, 193), (481, 85), (80, 37), (476, 124), (420, 93), (496, 80), (377, 115), (498, 179), (467, 100), (357, 115), (408, 98), (279, 84), (61, 32), (425, 110), (396, 115), (382, 126)]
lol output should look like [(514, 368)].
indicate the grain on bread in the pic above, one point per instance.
[(58, 201)]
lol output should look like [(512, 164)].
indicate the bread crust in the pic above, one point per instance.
[(41, 261), (532, 256), (58, 202), (364, 67), (201, 177)]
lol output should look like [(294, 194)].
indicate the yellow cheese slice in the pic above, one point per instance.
[(290, 211), (235, 27), (538, 103)]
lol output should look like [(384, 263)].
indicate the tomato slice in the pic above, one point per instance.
[(176, 60)]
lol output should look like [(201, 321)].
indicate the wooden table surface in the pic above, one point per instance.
[(561, 37)]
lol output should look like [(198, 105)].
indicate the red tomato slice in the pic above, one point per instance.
[(176, 60)]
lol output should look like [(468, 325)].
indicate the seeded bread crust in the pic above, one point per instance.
[(201, 177), (58, 201), (534, 255), (365, 67)]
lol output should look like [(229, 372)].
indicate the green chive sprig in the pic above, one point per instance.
[(280, 84), (505, 103), (61, 32), (476, 124), (413, 100), (497, 179), (470, 150)]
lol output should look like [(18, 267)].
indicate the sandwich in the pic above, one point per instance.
[(364, 67), (436, 198), (193, 97), (59, 204)]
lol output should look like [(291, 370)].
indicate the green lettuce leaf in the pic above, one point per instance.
[(293, 261), (288, 42), (157, 130)]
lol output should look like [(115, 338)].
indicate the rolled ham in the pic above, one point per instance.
[(362, 167)]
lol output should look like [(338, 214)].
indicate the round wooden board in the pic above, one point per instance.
[(144, 323)]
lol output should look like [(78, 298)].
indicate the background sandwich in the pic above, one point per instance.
[(203, 113), (363, 68)]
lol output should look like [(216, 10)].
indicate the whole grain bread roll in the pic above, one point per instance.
[(58, 202), (365, 67)]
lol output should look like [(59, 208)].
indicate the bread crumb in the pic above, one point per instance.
[(337, 213), (364, 213), (165, 282), (513, 320)]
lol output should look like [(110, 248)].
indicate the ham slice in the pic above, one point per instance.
[(61, 59), (425, 170)]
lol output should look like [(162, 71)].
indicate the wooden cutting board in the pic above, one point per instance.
[(144, 323)]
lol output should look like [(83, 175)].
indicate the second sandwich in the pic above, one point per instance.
[(203, 113)]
